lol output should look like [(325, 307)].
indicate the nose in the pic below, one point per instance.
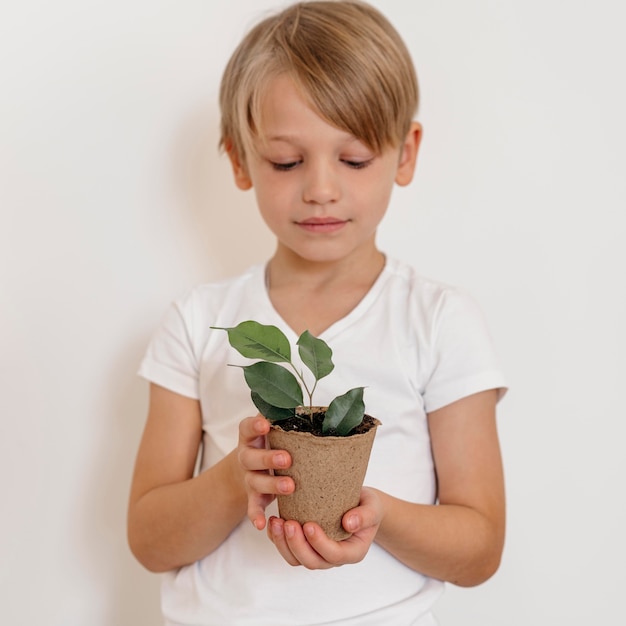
[(321, 183)]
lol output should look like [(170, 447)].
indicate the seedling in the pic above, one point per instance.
[(276, 391)]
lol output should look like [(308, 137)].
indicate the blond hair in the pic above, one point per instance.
[(346, 59)]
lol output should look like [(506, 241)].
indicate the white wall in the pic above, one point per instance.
[(113, 200)]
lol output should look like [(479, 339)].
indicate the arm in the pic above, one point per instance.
[(459, 540), (175, 518)]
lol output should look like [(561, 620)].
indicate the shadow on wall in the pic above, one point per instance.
[(226, 235), (225, 225), (129, 593)]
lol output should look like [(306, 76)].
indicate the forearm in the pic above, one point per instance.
[(180, 523), (449, 542)]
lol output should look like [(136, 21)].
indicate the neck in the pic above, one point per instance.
[(286, 269), (314, 295)]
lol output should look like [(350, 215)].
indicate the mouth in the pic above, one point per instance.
[(322, 224)]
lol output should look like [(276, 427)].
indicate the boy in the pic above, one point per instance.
[(317, 117)]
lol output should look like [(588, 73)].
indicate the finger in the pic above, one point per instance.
[(336, 553), (275, 531), (264, 483), (254, 459), (289, 539), (366, 515), (252, 431), (298, 542), (256, 509)]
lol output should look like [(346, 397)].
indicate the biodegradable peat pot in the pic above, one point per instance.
[(328, 472), (329, 446)]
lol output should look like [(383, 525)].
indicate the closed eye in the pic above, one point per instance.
[(357, 165), (285, 167)]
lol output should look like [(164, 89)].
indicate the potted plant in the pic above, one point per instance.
[(329, 446)]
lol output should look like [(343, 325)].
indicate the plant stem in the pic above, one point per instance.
[(311, 401), (306, 388)]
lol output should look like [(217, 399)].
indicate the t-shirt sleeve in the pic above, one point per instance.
[(463, 359), (170, 360)]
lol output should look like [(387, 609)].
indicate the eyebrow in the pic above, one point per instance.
[(288, 138), (294, 139)]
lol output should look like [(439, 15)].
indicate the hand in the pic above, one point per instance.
[(309, 546), (256, 460)]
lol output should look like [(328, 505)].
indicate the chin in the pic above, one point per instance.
[(321, 254)]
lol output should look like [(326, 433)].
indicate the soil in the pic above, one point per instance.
[(302, 423)]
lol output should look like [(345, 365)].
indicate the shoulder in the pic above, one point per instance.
[(454, 353), (174, 355), (220, 289), (439, 318), (190, 315), (426, 299), (211, 298)]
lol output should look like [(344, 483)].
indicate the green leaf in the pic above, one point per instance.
[(274, 384), (259, 341), (315, 354), (272, 413), (345, 412)]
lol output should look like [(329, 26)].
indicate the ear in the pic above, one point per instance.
[(408, 154), (240, 173)]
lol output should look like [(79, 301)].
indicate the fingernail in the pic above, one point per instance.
[(280, 460), (276, 528), (284, 486), (289, 530), (352, 522), (309, 530)]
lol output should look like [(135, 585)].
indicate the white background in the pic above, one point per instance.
[(114, 200)]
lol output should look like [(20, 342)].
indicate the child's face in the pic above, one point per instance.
[(320, 191)]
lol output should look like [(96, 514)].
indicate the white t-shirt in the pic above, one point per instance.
[(415, 345)]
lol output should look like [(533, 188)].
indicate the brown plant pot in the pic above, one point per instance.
[(328, 473)]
